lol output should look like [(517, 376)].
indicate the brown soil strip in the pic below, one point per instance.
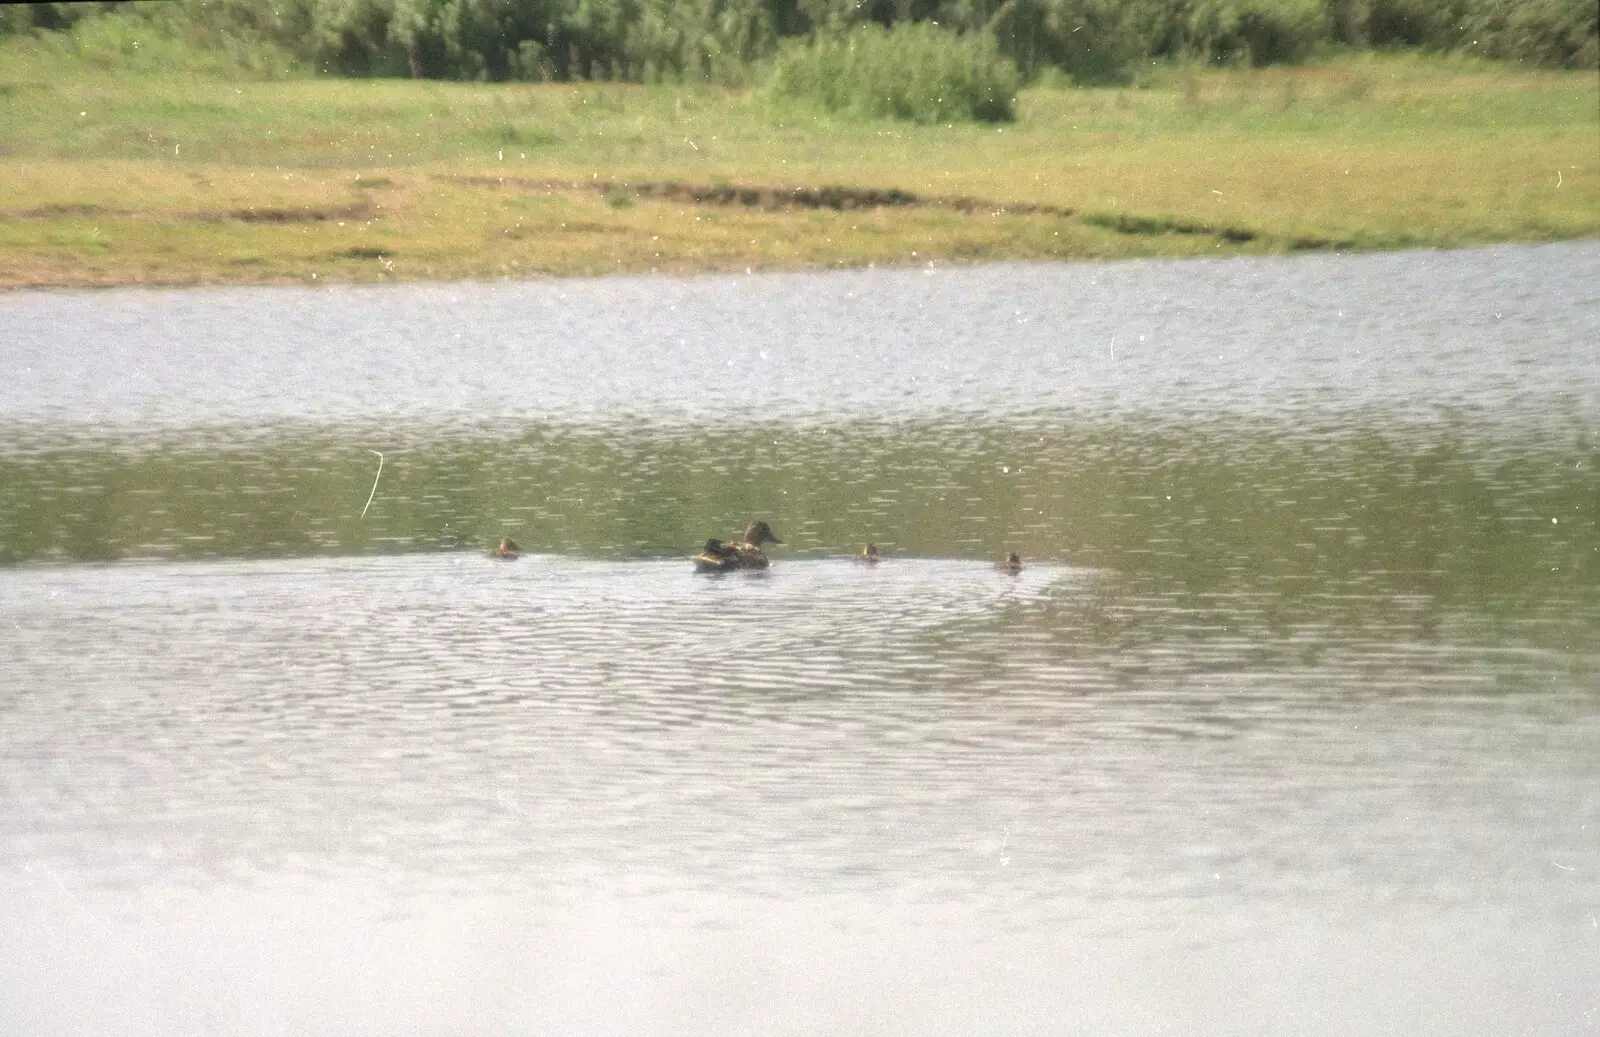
[(359, 211), (847, 198), (766, 197), (1314, 244), (1123, 223), (771, 198), (249, 215), (56, 212)]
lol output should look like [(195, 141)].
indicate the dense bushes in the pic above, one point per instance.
[(976, 47), (1258, 32), (160, 37), (1553, 33), (634, 40), (914, 71), (1557, 33)]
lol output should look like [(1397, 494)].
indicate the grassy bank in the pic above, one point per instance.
[(113, 176)]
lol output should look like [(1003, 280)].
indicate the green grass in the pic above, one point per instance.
[(119, 176)]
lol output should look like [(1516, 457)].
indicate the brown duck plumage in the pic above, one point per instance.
[(744, 554)]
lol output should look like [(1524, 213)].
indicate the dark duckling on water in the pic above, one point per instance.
[(1011, 564), (507, 551), (745, 554), (869, 555)]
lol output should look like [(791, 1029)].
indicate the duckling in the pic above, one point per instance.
[(1012, 563), (745, 554), (507, 551), (869, 555)]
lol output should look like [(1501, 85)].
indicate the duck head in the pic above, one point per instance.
[(758, 533)]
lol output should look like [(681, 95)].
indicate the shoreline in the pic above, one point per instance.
[(355, 235), (932, 263)]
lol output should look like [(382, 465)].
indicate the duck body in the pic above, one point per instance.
[(718, 557), (1011, 564), (730, 557), (507, 551), (869, 555)]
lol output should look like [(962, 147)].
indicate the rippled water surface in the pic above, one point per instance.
[(1291, 724)]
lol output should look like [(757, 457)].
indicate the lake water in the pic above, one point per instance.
[(1291, 724)]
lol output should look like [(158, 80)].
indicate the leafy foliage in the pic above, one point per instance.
[(914, 71), (1558, 33), (727, 41)]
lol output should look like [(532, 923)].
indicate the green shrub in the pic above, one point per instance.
[(1552, 33), (1255, 32), (698, 39), (936, 60), (1087, 39), (1556, 33), (18, 19), (163, 37), (1404, 23), (918, 72)]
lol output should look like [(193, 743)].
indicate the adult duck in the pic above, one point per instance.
[(1011, 564), (869, 555), (718, 557), (507, 551)]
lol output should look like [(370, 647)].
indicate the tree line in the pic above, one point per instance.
[(723, 40)]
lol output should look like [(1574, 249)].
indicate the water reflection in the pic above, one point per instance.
[(1441, 510)]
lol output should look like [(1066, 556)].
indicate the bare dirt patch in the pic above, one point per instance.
[(307, 214), (769, 197), (57, 212)]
